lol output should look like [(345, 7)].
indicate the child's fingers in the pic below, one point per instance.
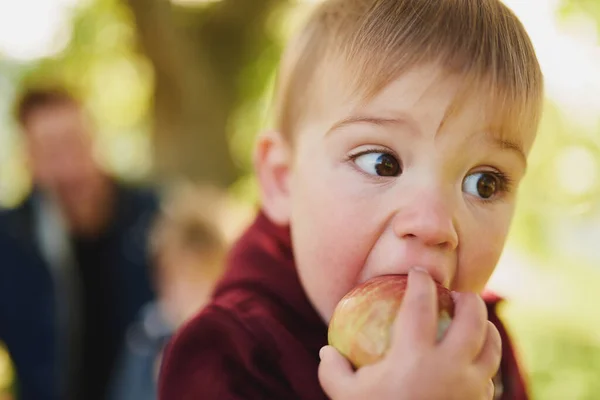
[(335, 373), (467, 333), (488, 360), (415, 324)]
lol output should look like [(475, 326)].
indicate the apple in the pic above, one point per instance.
[(361, 325)]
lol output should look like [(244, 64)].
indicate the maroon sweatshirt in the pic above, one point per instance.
[(259, 338)]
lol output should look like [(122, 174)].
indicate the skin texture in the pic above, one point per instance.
[(349, 224)]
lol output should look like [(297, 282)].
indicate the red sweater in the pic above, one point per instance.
[(259, 338)]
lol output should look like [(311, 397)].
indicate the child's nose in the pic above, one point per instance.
[(428, 219)]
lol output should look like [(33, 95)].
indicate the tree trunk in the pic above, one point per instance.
[(198, 56)]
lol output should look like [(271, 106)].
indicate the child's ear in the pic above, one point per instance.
[(272, 163)]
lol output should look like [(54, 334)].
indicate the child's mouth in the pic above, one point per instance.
[(361, 322)]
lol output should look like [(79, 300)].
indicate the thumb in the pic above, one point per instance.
[(335, 373)]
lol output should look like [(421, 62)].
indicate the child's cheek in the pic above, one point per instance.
[(330, 222), (477, 263), (330, 254)]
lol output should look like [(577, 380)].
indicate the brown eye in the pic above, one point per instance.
[(483, 185), (380, 164)]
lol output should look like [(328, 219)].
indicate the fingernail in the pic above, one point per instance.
[(321, 352)]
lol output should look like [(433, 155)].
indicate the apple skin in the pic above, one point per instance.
[(360, 328)]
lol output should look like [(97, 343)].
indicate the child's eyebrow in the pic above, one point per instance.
[(357, 119), (507, 144)]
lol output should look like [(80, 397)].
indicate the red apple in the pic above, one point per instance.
[(360, 327)]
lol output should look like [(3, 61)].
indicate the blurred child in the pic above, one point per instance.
[(188, 250), (402, 135)]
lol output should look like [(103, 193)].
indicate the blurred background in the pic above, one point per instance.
[(179, 90)]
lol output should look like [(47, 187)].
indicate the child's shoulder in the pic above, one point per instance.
[(235, 320), (223, 348)]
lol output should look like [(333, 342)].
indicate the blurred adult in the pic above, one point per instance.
[(83, 274)]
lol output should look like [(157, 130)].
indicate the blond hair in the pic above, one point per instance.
[(189, 221), (369, 43)]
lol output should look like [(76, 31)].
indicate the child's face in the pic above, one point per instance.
[(392, 185), (183, 284)]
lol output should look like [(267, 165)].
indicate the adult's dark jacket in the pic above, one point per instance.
[(29, 311)]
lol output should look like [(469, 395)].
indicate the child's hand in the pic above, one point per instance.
[(461, 366)]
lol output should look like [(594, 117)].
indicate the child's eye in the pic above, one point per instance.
[(485, 185), (378, 163)]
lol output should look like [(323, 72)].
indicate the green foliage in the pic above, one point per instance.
[(560, 354), (102, 64), (544, 200), (588, 8)]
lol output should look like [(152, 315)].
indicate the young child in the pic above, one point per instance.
[(403, 131), (188, 255)]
